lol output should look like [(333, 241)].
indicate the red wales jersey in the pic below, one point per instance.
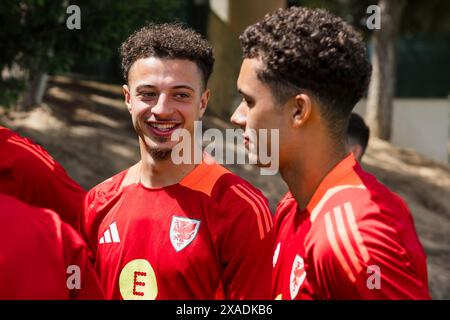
[(29, 173), (208, 237), (42, 257), (354, 240)]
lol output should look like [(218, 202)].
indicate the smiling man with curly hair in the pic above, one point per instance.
[(340, 234), (162, 230)]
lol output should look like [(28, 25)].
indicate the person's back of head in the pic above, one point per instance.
[(357, 136)]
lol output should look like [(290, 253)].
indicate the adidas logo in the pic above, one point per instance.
[(111, 235)]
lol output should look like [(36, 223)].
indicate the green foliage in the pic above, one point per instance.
[(353, 11), (10, 91), (423, 46), (431, 17), (34, 35), (105, 24)]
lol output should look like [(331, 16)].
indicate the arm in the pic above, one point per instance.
[(82, 281), (247, 240), (43, 182)]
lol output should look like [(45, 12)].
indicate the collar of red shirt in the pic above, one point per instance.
[(342, 176)]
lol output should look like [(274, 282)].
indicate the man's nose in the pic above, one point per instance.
[(239, 117), (163, 107)]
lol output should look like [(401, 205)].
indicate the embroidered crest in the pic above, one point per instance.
[(298, 275), (183, 231)]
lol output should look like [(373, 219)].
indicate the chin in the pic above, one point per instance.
[(159, 146), (150, 143), (160, 154)]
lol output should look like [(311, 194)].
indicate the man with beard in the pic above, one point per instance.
[(164, 231)]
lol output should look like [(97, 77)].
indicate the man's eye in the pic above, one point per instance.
[(181, 95), (148, 94)]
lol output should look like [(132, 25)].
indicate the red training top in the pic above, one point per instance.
[(42, 257), (355, 240), (208, 237), (29, 173)]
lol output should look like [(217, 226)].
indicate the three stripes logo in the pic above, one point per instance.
[(346, 240), (111, 235), (259, 206)]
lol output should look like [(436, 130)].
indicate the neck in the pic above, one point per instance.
[(304, 172), (160, 173)]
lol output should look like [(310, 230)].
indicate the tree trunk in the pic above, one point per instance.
[(227, 20), (382, 84), (34, 91)]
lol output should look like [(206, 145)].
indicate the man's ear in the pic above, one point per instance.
[(301, 109), (357, 151), (204, 102), (127, 97)]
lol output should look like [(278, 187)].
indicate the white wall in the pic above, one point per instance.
[(420, 124)]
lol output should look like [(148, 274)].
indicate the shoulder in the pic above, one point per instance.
[(29, 221), (366, 200), (6, 134), (286, 204), (97, 203), (240, 203), (220, 185), (232, 197), (12, 207), (106, 190), (231, 185), (352, 223), (205, 177), (232, 190), (24, 154), (40, 226), (109, 185)]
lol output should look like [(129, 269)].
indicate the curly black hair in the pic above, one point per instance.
[(168, 40), (312, 50)]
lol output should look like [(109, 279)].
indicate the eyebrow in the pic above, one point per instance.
[(149, 86), (246, 96)]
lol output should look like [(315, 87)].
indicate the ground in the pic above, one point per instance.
[(86, 127)]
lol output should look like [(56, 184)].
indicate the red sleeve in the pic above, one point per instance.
[(96, 204), (86, 216), (247, 239), (365, 252), (37, 179), (39, 254), (283, 208), (78, 260), (54, 189)]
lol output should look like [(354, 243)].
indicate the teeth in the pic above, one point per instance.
[(163, 127)]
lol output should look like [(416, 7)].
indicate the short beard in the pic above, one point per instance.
[(160, 154)]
